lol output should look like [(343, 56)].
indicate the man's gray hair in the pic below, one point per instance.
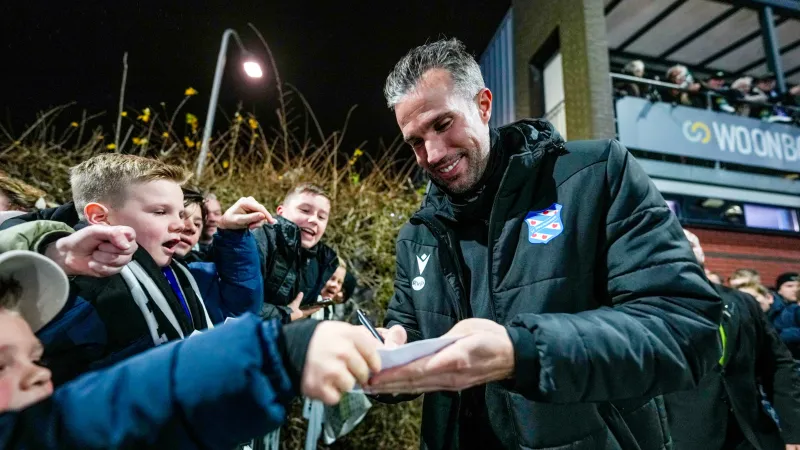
[(447, 54)]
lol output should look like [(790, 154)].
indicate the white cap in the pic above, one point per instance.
[(44, 286)]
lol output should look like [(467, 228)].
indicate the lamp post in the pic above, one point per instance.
[(253, 70)]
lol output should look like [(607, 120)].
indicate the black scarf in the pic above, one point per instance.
[(476, 204)]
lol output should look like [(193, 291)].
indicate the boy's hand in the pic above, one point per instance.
[(339, 356), (298, 313), (245, 213), (95, 251)]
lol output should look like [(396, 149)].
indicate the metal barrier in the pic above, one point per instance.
[(707, 92)]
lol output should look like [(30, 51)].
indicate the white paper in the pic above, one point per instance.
[(404, 354)]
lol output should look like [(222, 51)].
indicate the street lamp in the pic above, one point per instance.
[(253, 70)]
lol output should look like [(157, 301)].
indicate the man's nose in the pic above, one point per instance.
[(435, 151)]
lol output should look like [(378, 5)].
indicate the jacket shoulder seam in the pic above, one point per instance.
[(639, 213), (603, 161)]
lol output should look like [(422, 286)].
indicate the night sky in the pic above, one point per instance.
[(336, 53)]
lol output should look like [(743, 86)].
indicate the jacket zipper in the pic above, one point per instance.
[(445, 238), (559, 149)]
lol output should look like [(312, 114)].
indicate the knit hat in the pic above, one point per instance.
[(785, 278)]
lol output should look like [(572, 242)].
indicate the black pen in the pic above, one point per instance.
[(364, 321)]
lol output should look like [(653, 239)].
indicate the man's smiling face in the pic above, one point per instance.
[(448, 132)]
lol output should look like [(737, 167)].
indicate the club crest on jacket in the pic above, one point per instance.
[(544, 225)]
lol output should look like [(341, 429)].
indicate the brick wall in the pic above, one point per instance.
[(581, 26), (727, 251)]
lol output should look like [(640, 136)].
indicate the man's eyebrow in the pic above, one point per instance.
[(426, 125)]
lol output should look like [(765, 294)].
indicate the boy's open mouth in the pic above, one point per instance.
[(308, 231), (170, 244)]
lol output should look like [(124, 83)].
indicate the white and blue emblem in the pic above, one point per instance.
[(544, 225)]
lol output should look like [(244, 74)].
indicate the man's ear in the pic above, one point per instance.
[(96, 214), (279, 210), (484, 101)]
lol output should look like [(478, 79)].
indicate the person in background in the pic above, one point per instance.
[(787, 285), (725, 411), (719, 102), (16, 195), (18, 198), (760, 293), (713, 277), (740, 277), (785, 312), (194, 219), (333, 287), (338, 288), (680, 75), (742, 93), (213, 212), (634, 68), (229, 279), (765, 90)]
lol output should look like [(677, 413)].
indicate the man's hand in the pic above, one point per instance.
[(483, 353), (96, 251), (298, 313), (393, 337), (339, 356), (245, 213)]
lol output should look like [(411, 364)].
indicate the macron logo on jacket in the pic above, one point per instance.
[(422, 261)]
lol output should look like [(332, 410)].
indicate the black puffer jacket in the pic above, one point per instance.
[(753, 355), (289, 269), (609, 314)]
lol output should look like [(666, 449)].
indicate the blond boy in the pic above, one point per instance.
[(154, 299)]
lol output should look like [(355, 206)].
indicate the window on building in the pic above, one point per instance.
[(771, 217), (554, 111), (674, 207)]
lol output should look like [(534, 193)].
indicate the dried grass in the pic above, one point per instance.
[(372, 198)]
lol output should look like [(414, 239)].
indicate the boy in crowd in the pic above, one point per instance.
[(230, 282), (294, 263), (788, 285), (340, 288), (213, 214), (725, 410), (153, 299), (195, 214), (762, 295), (785, 311), (211, 391), (16, 195), (334, 286), (740, 277), (18, 198)]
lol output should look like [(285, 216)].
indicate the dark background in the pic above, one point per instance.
[(336, 53)]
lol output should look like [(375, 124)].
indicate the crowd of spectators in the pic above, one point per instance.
[(747, 96)]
